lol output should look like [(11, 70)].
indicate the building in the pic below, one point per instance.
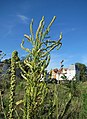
[(72, 72)]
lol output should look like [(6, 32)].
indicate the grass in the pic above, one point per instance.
[(57, 101)]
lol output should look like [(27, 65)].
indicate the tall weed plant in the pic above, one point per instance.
[(40, 100), (36, 63)]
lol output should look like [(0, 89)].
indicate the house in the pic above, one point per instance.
[(54, 73), (66, 73), (73, 72)]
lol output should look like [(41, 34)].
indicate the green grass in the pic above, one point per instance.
[(57, 101)]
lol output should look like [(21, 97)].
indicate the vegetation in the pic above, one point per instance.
[(29, 95), (14, 60), (37, 61), (2, 54), (82, 68)]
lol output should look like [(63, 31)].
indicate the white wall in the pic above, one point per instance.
[(71, 74)]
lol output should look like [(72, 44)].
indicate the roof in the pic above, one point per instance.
[(55, 70)]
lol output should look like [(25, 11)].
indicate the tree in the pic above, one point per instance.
[(2, 54), (82, 69)]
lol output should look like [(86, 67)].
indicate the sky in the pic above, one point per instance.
[(71, 20)]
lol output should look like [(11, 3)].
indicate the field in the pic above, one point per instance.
[(67, 100)]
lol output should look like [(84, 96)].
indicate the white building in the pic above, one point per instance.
[(66, 73), (73, 72)]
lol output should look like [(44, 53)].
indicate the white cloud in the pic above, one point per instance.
[(23, 18), (8, 28)]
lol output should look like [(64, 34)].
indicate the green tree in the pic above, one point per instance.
[(2, 54), (82, 69)]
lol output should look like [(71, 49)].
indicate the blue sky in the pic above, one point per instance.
[(15, 17)]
